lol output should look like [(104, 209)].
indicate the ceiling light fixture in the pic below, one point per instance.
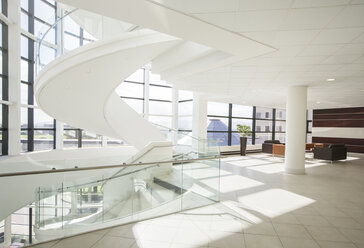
[(362, 90), (318, 102), (330, 79)]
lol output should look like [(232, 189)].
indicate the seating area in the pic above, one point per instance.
[(331, 152)]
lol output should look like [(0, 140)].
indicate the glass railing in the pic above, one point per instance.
[(144, 191)]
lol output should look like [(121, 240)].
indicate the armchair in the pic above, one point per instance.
[(267, 146), (333, 152)]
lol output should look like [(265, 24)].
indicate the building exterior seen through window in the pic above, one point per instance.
[(264, 123)]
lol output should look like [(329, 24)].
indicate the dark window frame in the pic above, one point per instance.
[(255, 117)]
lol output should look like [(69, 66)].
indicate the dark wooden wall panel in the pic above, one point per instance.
[(338, 123), (339, 111), (340, 118)]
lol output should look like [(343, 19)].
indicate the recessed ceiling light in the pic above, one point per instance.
[(318, 102), (330, 79)]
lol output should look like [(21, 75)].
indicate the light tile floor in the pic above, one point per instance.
[(261, 207)]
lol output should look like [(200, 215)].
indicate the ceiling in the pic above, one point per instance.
[(316, 40)]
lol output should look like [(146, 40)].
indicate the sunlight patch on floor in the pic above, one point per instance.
[(235, 183), (269, 168), (274, 202), (250, 162)]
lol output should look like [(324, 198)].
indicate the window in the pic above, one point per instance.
[(185, 123), (160, 101), (242, 111), (74, 35), (218, 123), (265, 125), (160, 108), (160, 93), (261, 137), (91, 140), (236, 122), (161, 120), (185, 108), (281, 137), (4, 84), (37, 128), (217, 109), (132, 91), (280, 114), (265, 113), (185, 111), (137, 76), (280, 126), (184, 95), (224, 118), (71, 138)]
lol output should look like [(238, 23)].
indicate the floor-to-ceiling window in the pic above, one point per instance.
[(4, 81), (148, 95), (280, 125), (160, 101), (261, 123), (37, 128), (185, 111), (218, 127), (241, 115)]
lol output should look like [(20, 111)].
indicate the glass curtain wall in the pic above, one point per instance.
[(152, 98), (4, 81), (264, 123), (185, 111), (160, 102), (37, 128)]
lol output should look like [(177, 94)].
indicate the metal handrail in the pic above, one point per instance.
[(27, 173)]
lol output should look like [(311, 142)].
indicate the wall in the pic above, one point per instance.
[(339, 126)]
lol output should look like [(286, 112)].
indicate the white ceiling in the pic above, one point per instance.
[(316, 40)]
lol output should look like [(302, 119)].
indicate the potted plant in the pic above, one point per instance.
[(244, 131)]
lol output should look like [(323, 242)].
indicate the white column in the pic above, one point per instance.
[(199, 117), (59, 135), (14, 77), (296, 129), (7, 232)]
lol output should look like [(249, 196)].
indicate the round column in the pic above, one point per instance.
[(296, 130)]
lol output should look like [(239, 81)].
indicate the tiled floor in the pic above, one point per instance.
[(261, 207)]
